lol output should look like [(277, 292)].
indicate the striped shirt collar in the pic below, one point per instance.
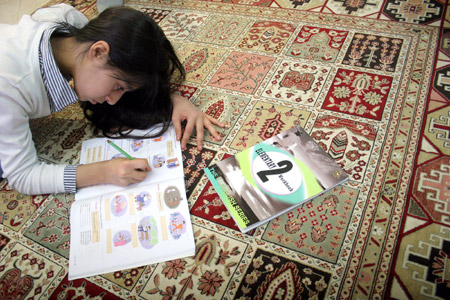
[(59, 92)]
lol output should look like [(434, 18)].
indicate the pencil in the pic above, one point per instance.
[(120, 150)]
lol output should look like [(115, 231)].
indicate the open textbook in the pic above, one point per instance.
[(274, 176), (115, 228)]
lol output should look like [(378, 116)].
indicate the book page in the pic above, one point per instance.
[(130, 228), (115, 228), (163, 154)]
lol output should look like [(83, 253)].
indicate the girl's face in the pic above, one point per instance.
[(94, 81)]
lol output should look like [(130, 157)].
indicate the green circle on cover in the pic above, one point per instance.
[(278, 174)]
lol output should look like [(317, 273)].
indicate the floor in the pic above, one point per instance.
[(12, 10)]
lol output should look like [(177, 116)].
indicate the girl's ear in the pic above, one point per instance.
[(99, 49)]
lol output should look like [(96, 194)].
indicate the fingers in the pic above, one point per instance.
[(140, 164), (138, 176), (200, 133), (209, 125), (188, 129), (201, 122), (133, 171), (185, 111), (215, 121), (177, 126)]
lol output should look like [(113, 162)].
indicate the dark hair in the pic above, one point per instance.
[(144, 57)]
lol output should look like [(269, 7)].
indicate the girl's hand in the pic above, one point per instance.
[(124, 171), (184, 110), (119, 171)]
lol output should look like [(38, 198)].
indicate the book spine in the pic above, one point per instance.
[(239, 217)]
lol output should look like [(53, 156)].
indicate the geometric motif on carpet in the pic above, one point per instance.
[(423, 265), (419, 12), (432, 189), (437, 128), (442, 81)]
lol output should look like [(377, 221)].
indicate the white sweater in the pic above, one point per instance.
[(23, 97)]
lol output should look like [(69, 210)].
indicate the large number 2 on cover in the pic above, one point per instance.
[(285, 166)]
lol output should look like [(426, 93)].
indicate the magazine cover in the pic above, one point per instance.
[(274, 176)]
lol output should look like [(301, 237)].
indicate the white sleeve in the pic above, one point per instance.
[(18, 155), (60, 12)]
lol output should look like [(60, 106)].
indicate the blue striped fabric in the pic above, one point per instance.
[(60, 94), (70, 178)]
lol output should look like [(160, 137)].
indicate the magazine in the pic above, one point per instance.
[(115, 228), (273, 177)]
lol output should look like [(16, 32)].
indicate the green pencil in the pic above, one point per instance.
[(120, 150)]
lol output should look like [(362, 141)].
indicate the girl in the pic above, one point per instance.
[(121, 55)]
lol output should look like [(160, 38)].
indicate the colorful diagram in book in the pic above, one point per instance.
[(172, 196), (122, 237), (158, 160), (273, 176), (147, 232), (177, 225), (119, 205), (137, 145), (142, 200)]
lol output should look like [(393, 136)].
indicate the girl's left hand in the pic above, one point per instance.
[(184, 110)]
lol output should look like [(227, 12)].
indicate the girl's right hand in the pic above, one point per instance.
[(118, 171), (123, 171)]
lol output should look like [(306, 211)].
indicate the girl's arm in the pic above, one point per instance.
[(184, 110), (119, 171), (25, 173)]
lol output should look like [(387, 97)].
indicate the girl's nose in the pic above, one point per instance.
[(113, 98)]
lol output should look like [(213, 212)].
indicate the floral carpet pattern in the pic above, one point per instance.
[(369, 80)]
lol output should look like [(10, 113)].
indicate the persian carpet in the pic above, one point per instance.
[(369, 80)]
